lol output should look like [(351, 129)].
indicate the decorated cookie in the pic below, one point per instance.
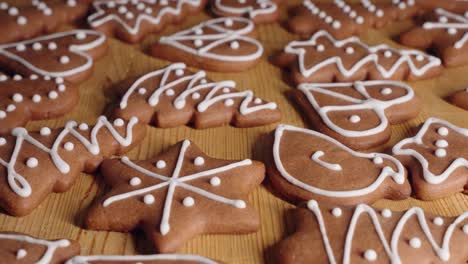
[(68, 55), (143, 259), (304, 164), (368, 235), (460, 99), (177, 195), (259, 11), (445, 32), (357, 114), (131, 20), (38, 163), (19, 248), (174, 96), (325, 59), (446, 4), (223, 44), (437, 158), (343, 19), (40, 16)]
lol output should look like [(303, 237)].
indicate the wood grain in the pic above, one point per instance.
[(61, 215)]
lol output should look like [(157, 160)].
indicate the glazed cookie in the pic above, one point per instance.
[(437, 158), (19, 248), (222, 44), (143, 259), (132, 20), (28, 21), (259, 11), (174, 96), (304, 164), (368, 235), (33, 98), (344, 20), (38, 163), (445, 32), (357, 114), (68, 55), (325, 59), (177, 195), (460, 99)]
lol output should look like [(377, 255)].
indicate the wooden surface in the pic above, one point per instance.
[(61, 215)]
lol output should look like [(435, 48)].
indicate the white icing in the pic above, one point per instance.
[(188, 202), (458, 22), (337, 212), (161, 164), (51, 246), (149, 199), (415, 242), (430, 177), (398, 177), (438, 221), (331, 166), (21, 186), (391, 247), (405, 57), (199, 161), (368, 103), (387, 213), (160, 257), (135, 181), (215, 181), (32, 163), (194, 85), (370, 255), (222, 35), (252, 9), (178, 181)]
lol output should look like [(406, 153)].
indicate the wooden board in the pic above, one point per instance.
[(61, 215)]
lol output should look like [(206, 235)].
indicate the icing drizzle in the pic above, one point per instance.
[(459, 23), (174, 181), (252, 8), (21, 186), (138, 259)]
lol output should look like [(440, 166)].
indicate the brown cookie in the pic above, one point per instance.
[(132, 20), (437, 158), (322, 58), (444, 31), (259, 11), (358, 114), (367, 235), (446, 4), (177, 195), (460, 99), (68, 55), (38, 163), (40, 16), (142, 259), (342, 19), (224, 44), (33, 98), (19, 248), (174, 96), (304, 164)]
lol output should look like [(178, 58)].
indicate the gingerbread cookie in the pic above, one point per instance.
[(446, 4), (304, 164), (437, 157), (357, 114), (221, 44), (325, 59), (132, 20), (460, 99), (68, 55), (21, 22), (368, 235), (177, 195), (174, 96), (343, 20), (143, 259), (445, 32), (259, 11), (33, 98), (38, 163), (19, 248)]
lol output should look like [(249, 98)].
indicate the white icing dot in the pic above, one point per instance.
[(240, 204), (11, 108), (349, 50), (320, 48), (336, 25), (465, 229), (440, 153), (170, 92), (229, 102), (443, 131), (215, 181), (45, 131), (199, 161), (37, 46), (148, 199), (148, 10), (22, 20), (388, 54), (386, 213), (81, 35), (198, 43), (142, 91), (179, 72), (47, 78), (443, 19), (360, 20), (53, 95), (129, 15), (61, 88), (2, 141), (135, 181), (161, 164), (415, 242), (370, 255), (377, 160), (83, 127), (13, 11), (386, 91), (59, 80), (198, 31), (419, 57), (69, 146), (452, 31), (2, 114), (52, 46), (441, 143), (122, 9), (337, 212), (20, 47), (119, 122), (17, 77), (438, 221), (21, 254), (257, 101), (196, 96), (354, 119), (3, 78), (36, 98), (64, 60), (234, 45), (188, 201), (18, 98), (226, 90), (228, 22), (32, 163)]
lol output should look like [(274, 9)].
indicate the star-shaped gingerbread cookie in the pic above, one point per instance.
[(177, 195)]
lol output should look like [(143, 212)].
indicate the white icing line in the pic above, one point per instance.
[(160, 257), (269, 8), (331, 166), (461, 23)]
